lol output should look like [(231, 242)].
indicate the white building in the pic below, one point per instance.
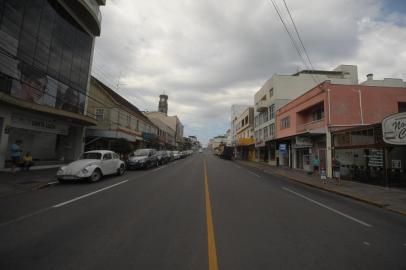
[(281, 89), (236, 110), (386, 82)]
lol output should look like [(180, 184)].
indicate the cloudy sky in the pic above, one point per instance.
[(209, 54)]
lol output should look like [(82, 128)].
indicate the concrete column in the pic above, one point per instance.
[(329, 157)]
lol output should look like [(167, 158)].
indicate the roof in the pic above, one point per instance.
[(119, 99), (100, 151), (325, 72)]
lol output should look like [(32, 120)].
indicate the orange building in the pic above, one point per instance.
[(304, 125)]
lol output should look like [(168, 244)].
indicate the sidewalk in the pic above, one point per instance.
[(25, 181), (389, 198)]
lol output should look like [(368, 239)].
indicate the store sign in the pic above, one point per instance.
[(246, 141), (396, 164), (394, 129), (282, 148), (375, 158), (37, 124), (304, 141)]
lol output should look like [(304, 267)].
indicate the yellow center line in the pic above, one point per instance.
[(211, 243)]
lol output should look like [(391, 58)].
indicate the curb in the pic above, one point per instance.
[(45, 185), (380, 205)]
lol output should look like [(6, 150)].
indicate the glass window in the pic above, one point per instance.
[(99, 113), (107, 156), (285, 122), (272, 111)]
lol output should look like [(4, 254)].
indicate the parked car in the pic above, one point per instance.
[(200, 150), (142, 159), (176, 155), (92, 165), (170, 155), (163, 157)]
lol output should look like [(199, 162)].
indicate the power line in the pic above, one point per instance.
[(293, 41), (298, 36)]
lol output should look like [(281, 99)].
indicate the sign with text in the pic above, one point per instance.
[(394, 129)]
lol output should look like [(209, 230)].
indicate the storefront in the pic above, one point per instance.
[(50, 140), (246, 149), (365, 157)]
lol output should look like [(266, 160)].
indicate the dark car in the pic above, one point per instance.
[(143, 159), (163, 157)]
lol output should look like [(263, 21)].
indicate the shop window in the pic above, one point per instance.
[(342, 139), (99, 113), (285, 122)]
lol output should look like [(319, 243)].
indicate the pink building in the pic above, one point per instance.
[(304, 126)]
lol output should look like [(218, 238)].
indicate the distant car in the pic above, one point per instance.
[(143, 159), (92, 165), (176, 155), (163, 157), (200, 150)]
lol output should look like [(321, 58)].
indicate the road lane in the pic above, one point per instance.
[(259, 225), (154, 222)]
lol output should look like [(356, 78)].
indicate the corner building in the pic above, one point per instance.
[(46, 50)]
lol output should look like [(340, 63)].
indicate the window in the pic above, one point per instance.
[(246, 120), (107, 156), (265, 115), (128, 120), (272, 130), (260, 134), (272, 111), (285, 122), (271, 92), (99, 113), (265, 132), (318, 114), (256, 121)]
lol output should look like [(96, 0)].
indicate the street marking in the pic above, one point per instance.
[(211, 243), (88, 194), (254, 174), (366, 243), (159, 168), (329, 208)]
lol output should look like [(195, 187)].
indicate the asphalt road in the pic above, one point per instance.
[(198, 213)]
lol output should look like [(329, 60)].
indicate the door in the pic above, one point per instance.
[(108, 164)]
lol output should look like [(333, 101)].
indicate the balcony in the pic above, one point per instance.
[(261, 106), (312, 127)]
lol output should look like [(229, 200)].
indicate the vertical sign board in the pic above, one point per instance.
[(394, 129)]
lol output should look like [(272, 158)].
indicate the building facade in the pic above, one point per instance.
[(171, 121), (116, 119), (46, 50), (305, 125), (281, 89), (245, 147), (166, 135)]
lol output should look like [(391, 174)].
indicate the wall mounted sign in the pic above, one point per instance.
[(394, 129)]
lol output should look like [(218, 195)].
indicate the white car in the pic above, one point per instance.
[(92, 165)]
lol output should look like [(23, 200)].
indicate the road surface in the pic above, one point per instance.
[(201, 212)]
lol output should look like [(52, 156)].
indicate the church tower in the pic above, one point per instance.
[(163, 104)]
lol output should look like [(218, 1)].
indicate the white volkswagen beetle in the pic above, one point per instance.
[(92, 165)]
